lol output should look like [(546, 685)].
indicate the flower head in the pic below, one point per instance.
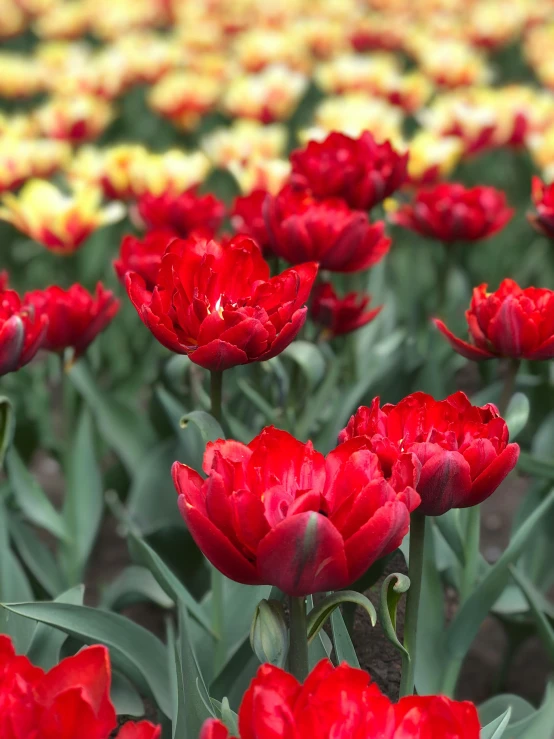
[(340, 315), (58, 221), (277, 512), (462, 449), (510, 322), (327, 231), (217, 304), (360, 171), (75, 317), (22, 333), (143, 256), (543, 199), (247, 217), (450, 212), (182, 214), (61, 702), (342, 701), (75, 119)]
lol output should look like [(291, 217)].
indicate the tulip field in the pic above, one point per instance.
[(277, 392)]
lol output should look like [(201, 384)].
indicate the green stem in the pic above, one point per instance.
[(415, 572), (217, 579), (471, 551), (298, 649), (216, 386), (443, 275), (509, 385)]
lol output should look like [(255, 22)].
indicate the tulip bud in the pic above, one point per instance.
[(268, 634)]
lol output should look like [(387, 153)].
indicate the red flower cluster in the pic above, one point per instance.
[(71, 700), (461, 450), (277, 512), (217, 303), (510, 322), (247, 217), (451, 212), (342, 702), (22, 332), (143, 257), (340, 315), (543, 200), (182, 214), (301, 228), (75, 317), (360, 171)]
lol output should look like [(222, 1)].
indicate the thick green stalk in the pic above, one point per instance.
[(415, 572), (509, 385), (298, 649)]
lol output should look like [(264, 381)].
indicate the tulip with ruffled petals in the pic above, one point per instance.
[(277, 512), (217, 303), (462, 449), (510, 322), (247, 217), (22, 333), (60, 222), (340, 315), (543, 199), (342, 702), (143, 256), (451, 212), (182, 214), (72, 696), (75, 317), (302, 227), (360, 171)]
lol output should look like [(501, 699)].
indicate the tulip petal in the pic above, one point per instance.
[(214, 729), (545, 351), (445, 483), (12, 338), (469, 351), (218, 356), (304, 554), (512, 331), (288, 333), (492, 476), (145, 730), (217, 548)]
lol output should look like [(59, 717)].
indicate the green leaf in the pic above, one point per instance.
[(344, 649), (229, 717), (134, 585), (31, 498), (38, 559), (449, 526), (319, 615), (470, 616), (84, 501), (318, 401), (192, 697), (125, 699), (127, 433), (44, 649), (543, 441), (497, 707), (265, 408), (7, 427), (136, 652), (392, 589), (142, 553), (534, 598), (210, 429), (497, 727), (309, 358), (517, 414), (532, 465), (13, 585), (269, 633), (236, 675)]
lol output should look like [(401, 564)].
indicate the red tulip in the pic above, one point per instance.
[(510, 322), (342, 702), (143, 257), (327, 231), (462, 449), (22, 333), (247, 218), (451, 212), (217, 304), (340, 315), (543, 199), (182, 214), (360, 171), (75, 317), (278, 512), (71, 700)]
